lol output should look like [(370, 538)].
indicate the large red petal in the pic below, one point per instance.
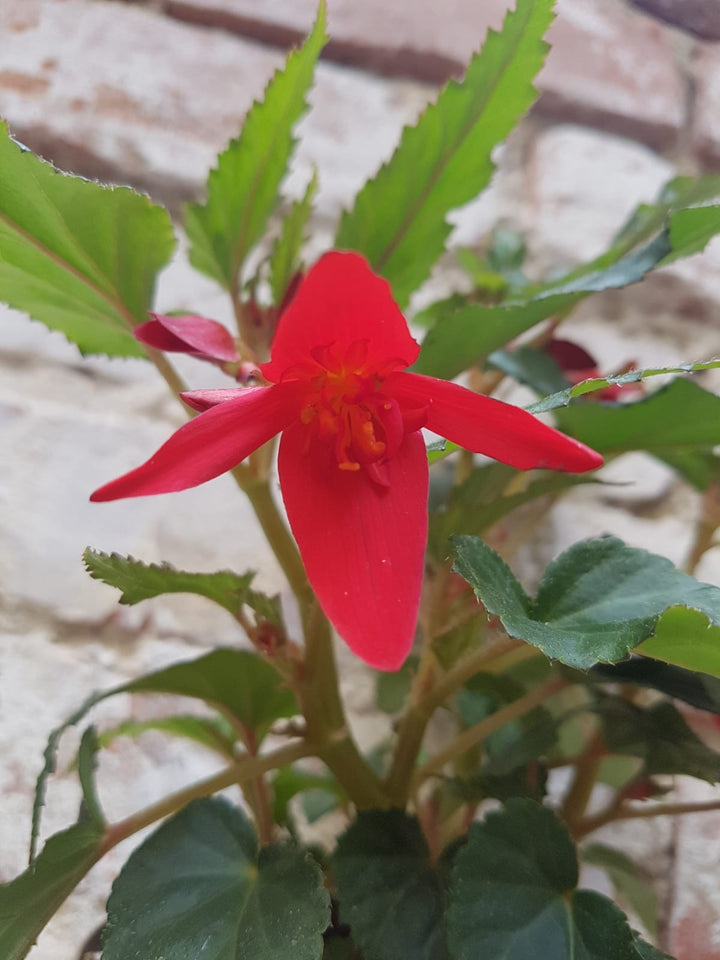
[(485, 425), (363, 544), (212, 443), (188, 334), (341, 300)]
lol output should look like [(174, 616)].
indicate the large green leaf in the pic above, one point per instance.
[(389, 893), (688, 639), (140, 581), (596, 602), (79, 257), (443, 162), (513, 895), (200, 887), (630, 884), (243, 190), (659, 736), (29, 901), (239, 683)]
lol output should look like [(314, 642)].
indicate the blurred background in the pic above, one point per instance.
[(147, 93)]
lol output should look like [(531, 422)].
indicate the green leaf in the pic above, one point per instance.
[(527, 781), (235, 681), (29, 901), (77, 256), (563, 397), (285, 254), (645, 951), (658, 736), (596, 602), (140, 581), (243, 190), (532, 367), (199, 886), (292, 780), (393, 689), (475, 331), (87, 763), (685, 638), (214, 733), (398, 221), (389, 893), (697, 689), (630, 884), (512, 895)]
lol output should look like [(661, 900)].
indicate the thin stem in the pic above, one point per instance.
[(278, 536), (642, 813), (171, 377), (583, 782), (427, 697), (481, 731), (243, 770), (327, 726)]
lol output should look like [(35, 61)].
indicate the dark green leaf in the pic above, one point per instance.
[(243, 190), (140, 581), (687, 639), (29, 901), (512, 895), (528, 781), (596, 602), (630, 884), (199, 886), (285, 254), (79, 257), (658, 736), (444, 161), (645, 951), (471, 334), (698, 689), (389, 893)]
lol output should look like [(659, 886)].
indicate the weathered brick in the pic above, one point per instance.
[(119, 92), (706, 117), (608, 67), (699, 17)]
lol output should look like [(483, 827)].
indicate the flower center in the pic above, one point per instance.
[(346, 406)]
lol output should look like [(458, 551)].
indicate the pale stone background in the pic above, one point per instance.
[(147, 94)]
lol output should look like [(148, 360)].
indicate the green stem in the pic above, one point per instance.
[(243, 770), (427, 697), (481, 731), (325, 717)]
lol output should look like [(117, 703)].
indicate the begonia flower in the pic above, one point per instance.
[(197, 336), (352, 462)]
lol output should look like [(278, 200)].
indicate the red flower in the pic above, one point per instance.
[(352, 462), (577, 365)]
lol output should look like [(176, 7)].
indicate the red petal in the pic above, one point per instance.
[(205, 399), (210, 444), (153, 334), (485, 425), (341, 301), (569, 355), (363, 545)]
